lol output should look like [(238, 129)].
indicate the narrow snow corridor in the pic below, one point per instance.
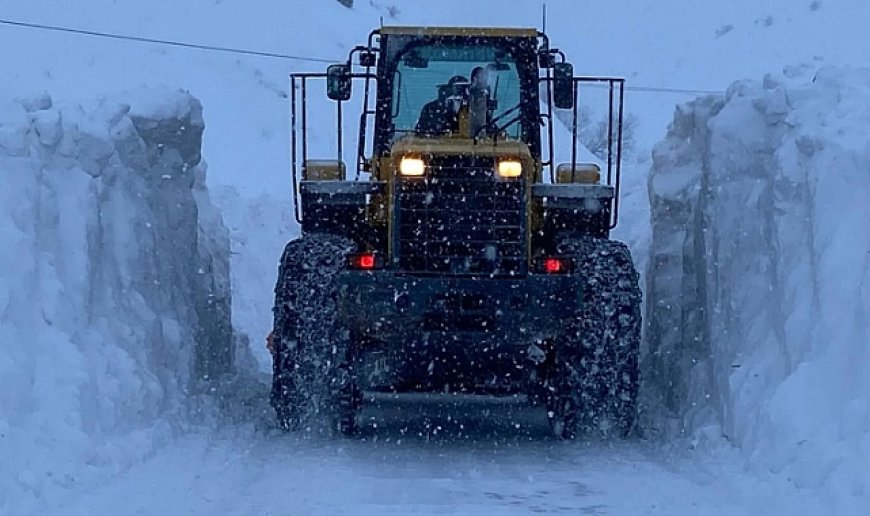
[(140, 235)]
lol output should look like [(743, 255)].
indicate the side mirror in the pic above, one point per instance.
[(338, 83), (563, 85), (367, 59), (546, 60)]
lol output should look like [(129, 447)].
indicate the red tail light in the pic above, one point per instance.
[(554, 265), (364, 261)]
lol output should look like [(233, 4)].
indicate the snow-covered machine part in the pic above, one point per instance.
[(760, 272), (114, 286)]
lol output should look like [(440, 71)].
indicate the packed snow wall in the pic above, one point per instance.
[(759, 276), (114, 286)]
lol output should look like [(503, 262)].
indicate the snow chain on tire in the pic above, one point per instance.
[(596, 369), (311, 379)]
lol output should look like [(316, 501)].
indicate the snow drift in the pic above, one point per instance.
[(759, 274), (114, 287)]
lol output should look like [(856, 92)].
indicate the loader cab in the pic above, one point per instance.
[(486, 79)]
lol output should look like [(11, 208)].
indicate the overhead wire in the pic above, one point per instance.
[(140, 39), (651, 89), (261, 53), (654, 89)]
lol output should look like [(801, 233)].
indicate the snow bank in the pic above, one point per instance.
[(759, 278), (114, 287)]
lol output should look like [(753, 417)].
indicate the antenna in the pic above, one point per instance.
[(544, 18), (382, 22)]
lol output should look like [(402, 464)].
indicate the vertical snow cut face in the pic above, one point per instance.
[(759, 274), (114, 286)]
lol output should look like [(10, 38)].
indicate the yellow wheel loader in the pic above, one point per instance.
[(457, 253)]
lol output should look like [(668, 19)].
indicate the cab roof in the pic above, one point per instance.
[(493, 32)]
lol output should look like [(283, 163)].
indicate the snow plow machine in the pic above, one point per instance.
[(467, 249)]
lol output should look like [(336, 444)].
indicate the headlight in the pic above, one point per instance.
[(412, 167), (510, 168)]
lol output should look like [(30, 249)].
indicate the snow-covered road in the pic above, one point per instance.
[(401, 468)]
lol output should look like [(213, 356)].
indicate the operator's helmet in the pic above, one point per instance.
[(456, 86)]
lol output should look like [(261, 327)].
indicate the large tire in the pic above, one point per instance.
[(595, 377), (312, 383)]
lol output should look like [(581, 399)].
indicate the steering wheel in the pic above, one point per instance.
[(507, 112), (493, 124)]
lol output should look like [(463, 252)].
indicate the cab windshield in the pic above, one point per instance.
[(433, 82)]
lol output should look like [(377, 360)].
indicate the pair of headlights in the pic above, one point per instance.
[(416, 167)]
